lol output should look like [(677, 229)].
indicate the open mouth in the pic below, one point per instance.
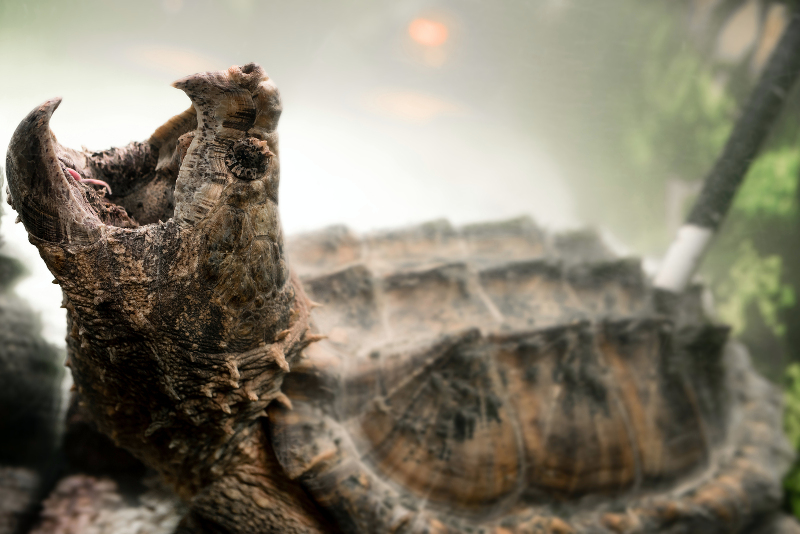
[(133, 185), (66, 196), (54, 187)]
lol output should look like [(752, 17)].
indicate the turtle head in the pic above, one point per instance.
[(189, 217), (221, 152), (182, 316)]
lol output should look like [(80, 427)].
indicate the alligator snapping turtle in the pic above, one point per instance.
[(452, 380)]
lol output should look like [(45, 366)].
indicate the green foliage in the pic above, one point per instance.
[(791, 424), (771, 185), (671, 128), (684, 116), (754, 279)]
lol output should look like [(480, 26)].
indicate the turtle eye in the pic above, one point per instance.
[(249, 158)]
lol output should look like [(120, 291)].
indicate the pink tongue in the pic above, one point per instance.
[(78, 178)]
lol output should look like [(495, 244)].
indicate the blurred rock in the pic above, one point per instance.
[(17, 497), (31, 376), (31, 372), (82, 504)]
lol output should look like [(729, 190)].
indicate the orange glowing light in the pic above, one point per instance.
[(428, 32)]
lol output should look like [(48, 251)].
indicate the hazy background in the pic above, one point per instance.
[(385, 123), (575, 112)]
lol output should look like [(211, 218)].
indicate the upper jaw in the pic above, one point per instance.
[(152, 181), (51, 208), (62, 195)]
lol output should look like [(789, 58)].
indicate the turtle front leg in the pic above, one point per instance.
[(254, 497)]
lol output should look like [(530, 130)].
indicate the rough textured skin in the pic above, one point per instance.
[(180, 332), (479, 379)]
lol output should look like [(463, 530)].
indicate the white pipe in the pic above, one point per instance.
[(683, 257)]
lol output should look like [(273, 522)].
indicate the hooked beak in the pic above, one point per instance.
[(48, 199)]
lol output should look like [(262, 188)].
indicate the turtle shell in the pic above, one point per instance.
[(493, 379)]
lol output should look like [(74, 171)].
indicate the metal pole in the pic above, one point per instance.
[(763, 107)]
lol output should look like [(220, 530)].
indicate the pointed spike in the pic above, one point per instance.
[(283, 400), (312, 338), (277, 355), (233, 370), (325, 456)]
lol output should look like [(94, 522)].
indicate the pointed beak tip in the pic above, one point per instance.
[(180, 84), (49, 106), (40, 116)]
